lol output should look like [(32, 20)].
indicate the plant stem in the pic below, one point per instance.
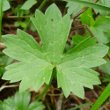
[(59, 102), (42, 4), (47, 86), (1, 14), (43, 93)]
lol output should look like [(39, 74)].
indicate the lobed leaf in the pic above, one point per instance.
[(35, 63), (74, 72), (21, 102), (52, 28), (74, 79), (31, 67)]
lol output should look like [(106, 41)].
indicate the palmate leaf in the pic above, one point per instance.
[(21, 101), (36, 62), (26, 50)]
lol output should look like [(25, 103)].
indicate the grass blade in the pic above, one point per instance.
[(105, 94)]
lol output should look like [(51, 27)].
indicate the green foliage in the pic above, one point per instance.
[(4, 60), (32, 68), (103, 97), (6, 5), (1, 14), (57, 31), (74, 6), (28, 4), (24, 12), (74, 73), (36, 61), (105, 3), (99, 27), (105, 68), (77, 39), (20, 102), (87, 17)]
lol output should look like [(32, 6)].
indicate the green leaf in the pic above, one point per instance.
[(32, 68), (75, 72), (76, 79), (35, 62), (83, 43), (52, 28), (21, 102), (102, 98), (73, 8), (101, 28), (36, 106), (105, 68), (87, 17), (28, 4), (77, 5), (6, 5), (91, 5), (4, 61), (104, 3), (77, 39)]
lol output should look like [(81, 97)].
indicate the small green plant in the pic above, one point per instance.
[(21, 101), (39, 63)]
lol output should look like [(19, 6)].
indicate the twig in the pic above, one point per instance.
[(2, 46), (76, 98), (95, 94), (8, 86), (16, 17), (59, 103)]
